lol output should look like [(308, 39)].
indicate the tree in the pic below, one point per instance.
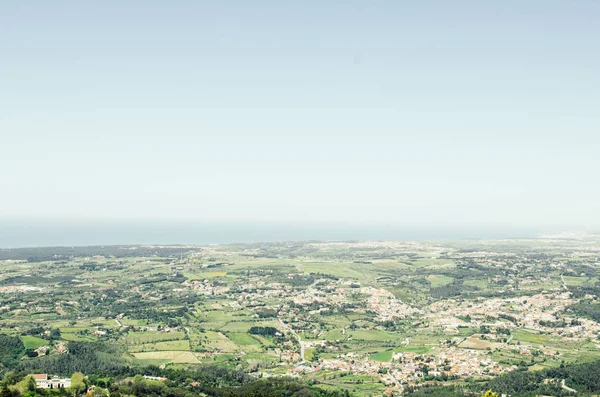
[(78, 383), (31, 384), (490, 393), (54, 334), (12, 378), (5, 392), (98, 392)]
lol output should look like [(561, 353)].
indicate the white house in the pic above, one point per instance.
[(42, 382)]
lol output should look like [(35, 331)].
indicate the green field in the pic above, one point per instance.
[(242, 339), (478, 343), (176, 357), (217, 341), (152, 336), (32, 342), (437, 280), (413, 349), (382, 356), (373, 335), (245, 341), (182, 345), (575, 281)]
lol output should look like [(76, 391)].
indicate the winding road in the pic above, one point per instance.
[(564, 283), (291, 330)]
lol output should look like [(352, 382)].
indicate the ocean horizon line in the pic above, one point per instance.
[(27, 234)]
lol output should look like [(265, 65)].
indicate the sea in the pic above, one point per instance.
[(44, 233)]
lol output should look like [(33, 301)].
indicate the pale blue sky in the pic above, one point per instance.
[(420, 112)]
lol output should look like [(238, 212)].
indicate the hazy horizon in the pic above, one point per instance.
[(25, 233), (422, 113)]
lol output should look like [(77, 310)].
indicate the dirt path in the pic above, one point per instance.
[(564, 283), (564, 386)]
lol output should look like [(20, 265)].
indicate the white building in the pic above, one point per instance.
[(42, 382)]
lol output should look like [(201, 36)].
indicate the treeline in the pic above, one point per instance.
[(435, 390), (110, 304), (559, 324), (267, 313), (213, 381), (11, 350), (585, 378), (582, 377), (299, 280), (456, 288), (61, 253), (271, 387), (263, 331), (86, 357), (586, 309)]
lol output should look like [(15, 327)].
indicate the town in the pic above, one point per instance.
[(367, 317)]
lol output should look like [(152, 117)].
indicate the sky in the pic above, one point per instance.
[(397, 112)]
